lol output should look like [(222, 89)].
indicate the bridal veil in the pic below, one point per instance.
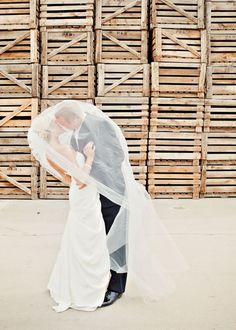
[(151, 254)]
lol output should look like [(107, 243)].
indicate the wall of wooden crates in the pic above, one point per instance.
[(163, 70)]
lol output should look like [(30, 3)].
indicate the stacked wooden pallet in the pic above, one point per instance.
[(19, 97), (219, 136), (123, 76), (67, 58), (177, 98), (163, 70)]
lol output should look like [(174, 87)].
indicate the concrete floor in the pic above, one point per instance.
[(204, 230)]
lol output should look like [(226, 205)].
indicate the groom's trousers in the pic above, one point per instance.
[(109, 211)]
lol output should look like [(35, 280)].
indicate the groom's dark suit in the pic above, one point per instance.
[(108, 149)]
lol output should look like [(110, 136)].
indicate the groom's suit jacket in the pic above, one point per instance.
[(109, 151), (106, 166)]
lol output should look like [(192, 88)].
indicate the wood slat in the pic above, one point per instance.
[(18, 180), (14, 147), (123, 80), (176, 114), (221, 82), (66, 47), (74, 13), (17, 113), (220, 146), (68, 82), (220, 115), (174, 179), (218, 178), (174, 146), (222, 47), (121, 15), (20, 80), (19, 46), (19, 14), (177, 14), (121, 46), (178, 79), (179, 45), (221, 15)]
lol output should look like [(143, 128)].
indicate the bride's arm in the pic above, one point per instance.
[(65, 177), (70, 154)]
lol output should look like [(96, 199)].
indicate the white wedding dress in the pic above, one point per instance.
[(81, 272)]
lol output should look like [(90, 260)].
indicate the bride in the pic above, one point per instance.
[(86, 256), (82, 270)]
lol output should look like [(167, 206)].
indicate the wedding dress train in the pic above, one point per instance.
[(81, 272)]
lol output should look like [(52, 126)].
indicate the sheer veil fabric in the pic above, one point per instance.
[(151, 253)]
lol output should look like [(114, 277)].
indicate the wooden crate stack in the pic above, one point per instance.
[(219, 136), (67, 58), (19, 97), (163, 70), (177, 98), (123, 73)]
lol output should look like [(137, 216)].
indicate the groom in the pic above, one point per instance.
[(84, 129)]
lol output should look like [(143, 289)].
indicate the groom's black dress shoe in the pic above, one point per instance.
[(110, 297)]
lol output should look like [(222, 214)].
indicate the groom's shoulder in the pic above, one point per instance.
[(99, 121), (92, 118)]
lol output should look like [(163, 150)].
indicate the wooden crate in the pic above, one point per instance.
[(58, 13), (174, 164), (221, 15), (220, 115), (19, 14), (177, 14), (219, 146), (51, 187), (179, 45), (221, 82), (68, 81), (19, 46), (174, 178), (130, 113), (222, 47), (174, 146), (20, 80), (176, 114), (17, 113), (178, 79), (123, 80), (218, 178), (121, 15), (121, 46), (15, 147), (218, 164), (18, 180), (66, 47)]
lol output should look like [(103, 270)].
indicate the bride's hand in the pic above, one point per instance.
[(80, 184), (89, 149)]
